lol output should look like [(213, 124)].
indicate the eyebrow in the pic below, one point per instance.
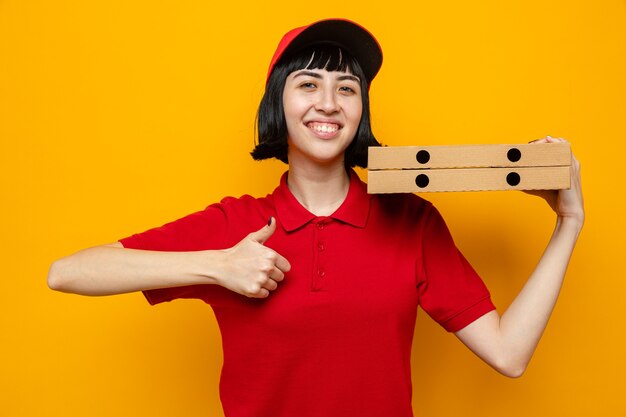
[(319, 76), (349, 77)]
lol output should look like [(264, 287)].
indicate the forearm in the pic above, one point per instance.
[(523, 323), (112, 269), (248, 268), (507, 343)]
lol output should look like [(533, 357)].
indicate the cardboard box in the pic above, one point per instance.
[(407, 169)]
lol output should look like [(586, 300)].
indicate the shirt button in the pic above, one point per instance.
[(320, 226), (320, 246), (321, 273)]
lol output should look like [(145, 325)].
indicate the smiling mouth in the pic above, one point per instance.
[(323, 127)]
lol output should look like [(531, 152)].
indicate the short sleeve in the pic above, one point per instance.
[(202, 230), (450, 290)]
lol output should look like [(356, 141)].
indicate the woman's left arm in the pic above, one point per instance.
[(507, 343)]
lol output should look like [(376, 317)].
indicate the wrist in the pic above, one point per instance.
[(574, 222), (204, 265)]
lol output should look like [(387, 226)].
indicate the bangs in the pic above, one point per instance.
[(323, 56)]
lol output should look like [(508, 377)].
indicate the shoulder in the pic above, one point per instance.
[(400, 214), (402, 204), (241, 215), (243, 205)]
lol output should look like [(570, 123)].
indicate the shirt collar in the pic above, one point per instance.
[(353, 211)]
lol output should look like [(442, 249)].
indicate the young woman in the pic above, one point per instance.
[(316, 286)]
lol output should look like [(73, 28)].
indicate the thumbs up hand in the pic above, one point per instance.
[(252, 269)]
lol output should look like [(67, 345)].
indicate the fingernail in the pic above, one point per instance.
[(269, 222)]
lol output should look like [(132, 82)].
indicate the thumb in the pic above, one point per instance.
[(265, 232)]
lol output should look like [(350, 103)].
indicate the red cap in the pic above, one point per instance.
[(352, 37)]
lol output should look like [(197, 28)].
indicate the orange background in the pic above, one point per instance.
[(118, 116)]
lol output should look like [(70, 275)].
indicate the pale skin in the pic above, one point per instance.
[(323, 110)]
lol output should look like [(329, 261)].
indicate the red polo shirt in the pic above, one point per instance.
[(335, 338)]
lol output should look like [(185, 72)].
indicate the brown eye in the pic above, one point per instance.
[(346, 89)]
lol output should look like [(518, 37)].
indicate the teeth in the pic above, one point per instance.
[(324, 128)]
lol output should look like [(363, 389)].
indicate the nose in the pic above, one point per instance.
[(327, 101)]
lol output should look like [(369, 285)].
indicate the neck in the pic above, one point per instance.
[(321, 190)]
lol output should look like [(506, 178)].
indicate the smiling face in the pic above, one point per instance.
[(273, 133), (322, 110)]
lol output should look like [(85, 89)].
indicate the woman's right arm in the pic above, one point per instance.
[(249, 268)]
